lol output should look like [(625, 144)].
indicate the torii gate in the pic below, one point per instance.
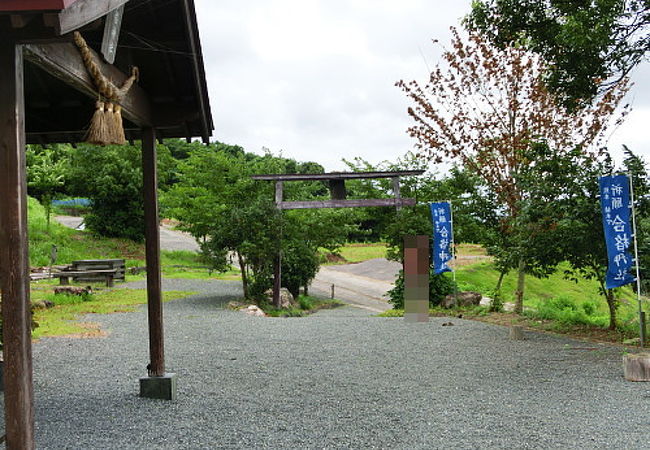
[(47, 96), (336, 181)]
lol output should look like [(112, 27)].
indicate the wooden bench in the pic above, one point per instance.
[(97, 265), (106, 274)]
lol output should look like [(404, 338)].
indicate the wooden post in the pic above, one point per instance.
[(397, 193), (277, 279), (14, 261), (152, 238), (277, 264), (337, 190), (279, 193)]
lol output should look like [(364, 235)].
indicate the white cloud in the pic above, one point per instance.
[(315, 78)]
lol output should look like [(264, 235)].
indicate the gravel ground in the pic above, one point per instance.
[(337, 379)]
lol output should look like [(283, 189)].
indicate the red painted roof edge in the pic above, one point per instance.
[(34, 5)]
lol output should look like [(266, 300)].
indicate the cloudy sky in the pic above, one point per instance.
[(314, 79)]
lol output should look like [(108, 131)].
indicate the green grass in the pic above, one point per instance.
[(545, 295), (355, 253), (63, 318), (564, 302), (188, 265)]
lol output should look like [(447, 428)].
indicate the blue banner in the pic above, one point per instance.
[(442, 236), (617, 223)]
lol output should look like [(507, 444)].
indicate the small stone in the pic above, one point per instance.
[(467, 298), (286, 299), (253, 310)]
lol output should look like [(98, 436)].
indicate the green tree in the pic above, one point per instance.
[(111, 177), (46, 170), (589, 44), (235, 218), (563, 205)]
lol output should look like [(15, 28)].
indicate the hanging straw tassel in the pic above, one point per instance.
[(98, 130), (118, 127), (106, 126)]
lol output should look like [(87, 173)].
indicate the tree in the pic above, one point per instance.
[(585, 42), (111, 177), (484, 109), (234, 217), (564, 202), (46, 175)]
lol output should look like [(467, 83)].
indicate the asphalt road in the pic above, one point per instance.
[(363, 284)]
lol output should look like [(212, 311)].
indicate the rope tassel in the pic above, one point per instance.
[(106, 126), (98, 130)]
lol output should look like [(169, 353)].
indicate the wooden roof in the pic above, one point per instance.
[(160, 37)]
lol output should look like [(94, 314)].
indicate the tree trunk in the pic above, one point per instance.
[(47, 204), (612, 304), (521, 279), (500, 282), (244, 276)]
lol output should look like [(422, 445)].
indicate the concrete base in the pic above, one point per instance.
[(416, 317), (163, 388)]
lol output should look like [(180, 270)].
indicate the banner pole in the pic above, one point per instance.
[(453, 251), (636, 260)]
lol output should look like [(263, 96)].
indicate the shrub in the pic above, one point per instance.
[(439, 287), (305, 303)]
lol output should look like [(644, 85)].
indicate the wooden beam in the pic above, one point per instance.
[(14, 259), (20, 20), (198, 69), (356, 203), (336, 175), (152, 240), (82, 12), (63, 61), (34, 5)]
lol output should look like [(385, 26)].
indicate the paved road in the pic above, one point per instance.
[(363, 284)]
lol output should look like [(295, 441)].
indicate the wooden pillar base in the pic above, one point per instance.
[(636, 367)]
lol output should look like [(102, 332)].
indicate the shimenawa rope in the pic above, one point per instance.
[(106, 125)]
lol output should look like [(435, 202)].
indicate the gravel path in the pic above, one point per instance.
[(337, 379)]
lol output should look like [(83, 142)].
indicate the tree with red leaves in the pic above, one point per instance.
[(484, 107)]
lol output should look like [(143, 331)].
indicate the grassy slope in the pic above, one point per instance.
[(553, 292), (74, 245)]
